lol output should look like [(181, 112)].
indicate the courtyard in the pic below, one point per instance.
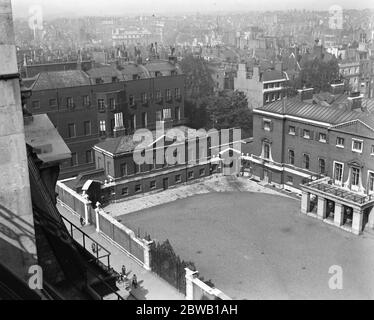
[(258, 246)]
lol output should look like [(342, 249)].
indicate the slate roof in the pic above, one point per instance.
[(331, 115), (271, 75), (160, 65), (61, 79), (102, 72)]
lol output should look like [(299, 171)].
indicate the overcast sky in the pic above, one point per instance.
[(123, 7)]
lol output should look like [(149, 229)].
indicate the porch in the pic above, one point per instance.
[(346, 209)]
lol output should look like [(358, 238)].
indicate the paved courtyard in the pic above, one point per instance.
[(259, 246)]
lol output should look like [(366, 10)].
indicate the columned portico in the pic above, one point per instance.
[(338, 214), (305, 202), (351, 211), (321, 207)]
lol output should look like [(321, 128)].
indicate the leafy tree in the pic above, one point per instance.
[(318, 74), (229, 109), (199, 82)]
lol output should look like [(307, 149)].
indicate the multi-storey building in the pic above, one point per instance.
[(297, 142), (260, 87), (83, 106)]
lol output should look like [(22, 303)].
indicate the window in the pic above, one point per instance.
[(112, 103), (306, 161), (131, 100), (372, 150), (108, 167), (71, 130), (266, 151), (125, 191), (133, 122), (74, 159), (136, 168), (177, 93), (291, 157), (322, 166), (123, 169), (267, 125), (86, 101), (267, 98), (289, 180), (371, 181), (202, 172), (144, 119), (144, 98), (158, 115), (152, 184), (340, 142), (101, 104), (306, 134), (36, 104), (292, 130), (52, 102), (158, 96), (190, 174), (166, 113), (168, 94), (338, 172), (138, 188), (89, 156), (102, 126), (177, 113), (357, 145), (178, 178), (87, 128), (322, 137), (70, 102), (355, 177)]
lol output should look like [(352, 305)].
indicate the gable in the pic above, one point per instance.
[(356, 127)]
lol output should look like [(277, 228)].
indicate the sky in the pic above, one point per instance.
[(123, 7)]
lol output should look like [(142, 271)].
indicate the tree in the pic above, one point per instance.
[(199, 82), (228, 109), (318, 74)]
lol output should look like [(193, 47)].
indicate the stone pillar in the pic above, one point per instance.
[(321, 208), (147, 254), (371, 218), (338, 215), (305, 202), (87, 208), (17, 245), (190, 276), (97, 219), (357, 221)]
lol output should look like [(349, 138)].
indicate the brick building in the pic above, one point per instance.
[(296, 142), (83, 105)]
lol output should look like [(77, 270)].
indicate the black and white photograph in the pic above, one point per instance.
[(184, 157)]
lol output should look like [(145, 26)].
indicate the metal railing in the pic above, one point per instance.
[(85, 240)]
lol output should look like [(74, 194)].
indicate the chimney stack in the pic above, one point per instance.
[(305, 93), (355, 100)]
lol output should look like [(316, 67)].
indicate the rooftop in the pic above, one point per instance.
[(326, 114), (61, 79)]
